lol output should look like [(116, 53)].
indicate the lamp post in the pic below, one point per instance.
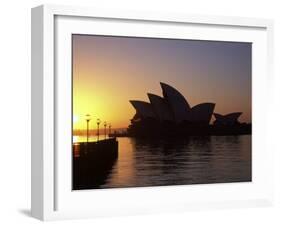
[(98, 124), (88, 118), (105, 124), (109, 129)]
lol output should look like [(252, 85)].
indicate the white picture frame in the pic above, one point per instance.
[(52, 197)]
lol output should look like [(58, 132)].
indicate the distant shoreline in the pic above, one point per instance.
[(82, 132)]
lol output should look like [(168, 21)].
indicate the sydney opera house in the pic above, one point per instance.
[(172, 114)]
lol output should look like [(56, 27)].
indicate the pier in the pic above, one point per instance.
[(92, 162)]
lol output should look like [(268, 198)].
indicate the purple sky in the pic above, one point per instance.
[(109, 71)]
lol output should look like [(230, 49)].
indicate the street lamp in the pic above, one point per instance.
[(105, 124), (98, 124), (88, 118), (109, 129)]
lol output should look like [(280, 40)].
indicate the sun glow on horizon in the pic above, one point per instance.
[(107, 104), (110, 71)]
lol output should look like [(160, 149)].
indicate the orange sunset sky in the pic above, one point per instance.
[(109, 71)]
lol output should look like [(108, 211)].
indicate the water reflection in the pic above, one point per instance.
[(210, 159)]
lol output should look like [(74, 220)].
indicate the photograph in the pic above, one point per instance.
[(152, 111)]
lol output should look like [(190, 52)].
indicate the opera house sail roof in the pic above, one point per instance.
[(228, 119), (173, 107), (201, 113), (143, 109), (160, 107), (171, 115), (177, 102)]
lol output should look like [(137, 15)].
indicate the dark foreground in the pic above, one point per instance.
[(157, 162), (92, 162), (152, 128)]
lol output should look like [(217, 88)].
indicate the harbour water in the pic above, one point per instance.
[(194, 160)]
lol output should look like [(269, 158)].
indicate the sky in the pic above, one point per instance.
[(109, 71)]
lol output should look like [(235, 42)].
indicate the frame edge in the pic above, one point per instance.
[(37, 161)]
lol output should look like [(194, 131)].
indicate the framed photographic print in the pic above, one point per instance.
[(137, 112)]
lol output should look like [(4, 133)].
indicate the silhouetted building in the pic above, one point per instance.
[(143, 109), (178, 104), (227, 120), (160, 107), (172, 116), (172, 107)]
